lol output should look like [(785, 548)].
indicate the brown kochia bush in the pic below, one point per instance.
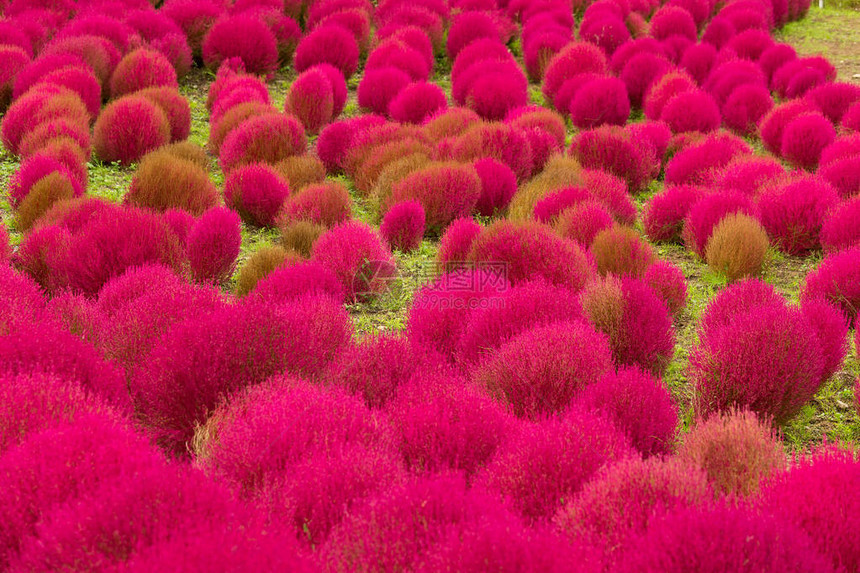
[(621, 251), (300, 236), (188, 151), (737, 247), (301, 170), (43, 194), (166, 181), (260, 264)]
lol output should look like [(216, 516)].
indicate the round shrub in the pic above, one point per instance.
[(667, 87), (600, 101), (693, 110), (256, 191), (804, 138), (498, 186), (635, 319), (749, 174), (399, 54), (301, 236), (80, 80), (417, 102), (356, 254), (494, 94), (668, 281), (745, 107), (174, 106), (379, 86), (707, 212), (447, 191), (609, 148), (621, 251), (456, 242), (223, 125), (330, 44), (467, 27), (637, 404), (266, 138), (640, 72), (531, 250), (447, 424), (851, 119), (326, 204), (736, 451), (735, 300), (46, 103), (403, 225), (128, 128), (244, 37), (260, 264), (297, 280), (664, 215), (139, 69), (743, 539), (837, 279), (697, 163), (794, 213), (768, 359), (311, 99), (839, 230), (538, 372), (35, 169), (622, 500), (772, 125), (826, 319), (843, 174), (548, 461), (575, 58), (817, 495), (737, 247), (21, 297), (299, 171), (213, 244), (164, 181), (503, 142), (582, 222)]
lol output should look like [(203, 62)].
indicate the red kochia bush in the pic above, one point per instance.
[(355, 252), (311, 99), (46, 103), (498, 185), (818, 494), (768, 359), (417, 102), (79, 79), (63, 463), (840, 230), (325, 203), (639, 405), (256, 191), (175, 107), (446, 191), (266, 138), (139, 69), (698, 163), (467, 27), (583, 222), (664, 215), (403, 225), (794, 213), (746, 105), (35, 168), (772, 125), (600, 101), (14, 60), (446, 423), (507, 143), (244, 37), (837, 280), (128, 128), (826, 319), (328, 44), (575, 58), (175, 388), (456, 241), (379, 86), (194, 17), (805, 137), (531, 250), (549, 461), (611, 149), (55, 352), (622, 500), (621, 251), (736, 451), (707, 212), (723, 537), (294, 281), (668, 281), (495, 93), (213, 244), (22, 299), (694, 110), (538, 372)]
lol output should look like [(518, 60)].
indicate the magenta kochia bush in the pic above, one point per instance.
[(600, 101), (539, 371), (445, 423), (328, 44), (707, 212), (523, 307), (697, 164), (531, 250), (447, 191), (266, 138), (417, 102), (694, 110), (35, 168), (548, 461), (793, 214), (391, 530), (840, 230), (262, 432), (357, 255), (639, 405), (33, 402), (804, 138), (374, 367), (767, 358), (257, 192), (378, 87), (620, 502), (199, 361), (721, 537), (213, 244), (403, 225), (311, 99), (837, 280), (63, 463), (59, 353), (611, 149), (498, 185), (139, 69), (294, 281), (664, 215), (819, 495), (669, 282), (456, 241), (128, 128), (244, 37)]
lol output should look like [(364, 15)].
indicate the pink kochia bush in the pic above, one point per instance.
[(804, 138), (359, 258), (664, 215), (611, 149), (328, 44), (840, 230), (547, 461), (818, 494), (60, 464), (446, 191), (212, 245), (837, 280), (403, 225), (128, 128), (139, 69), (794, 213), (199, 361), (639, 405), (721, 537), (417, 102), (498, 186), (266, 138), (243, 37), (446, 423), (755, 352), (256, 191), (539, 371), (295, 281), (456, 241)]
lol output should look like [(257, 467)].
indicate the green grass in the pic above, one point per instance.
[(833, 32)]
